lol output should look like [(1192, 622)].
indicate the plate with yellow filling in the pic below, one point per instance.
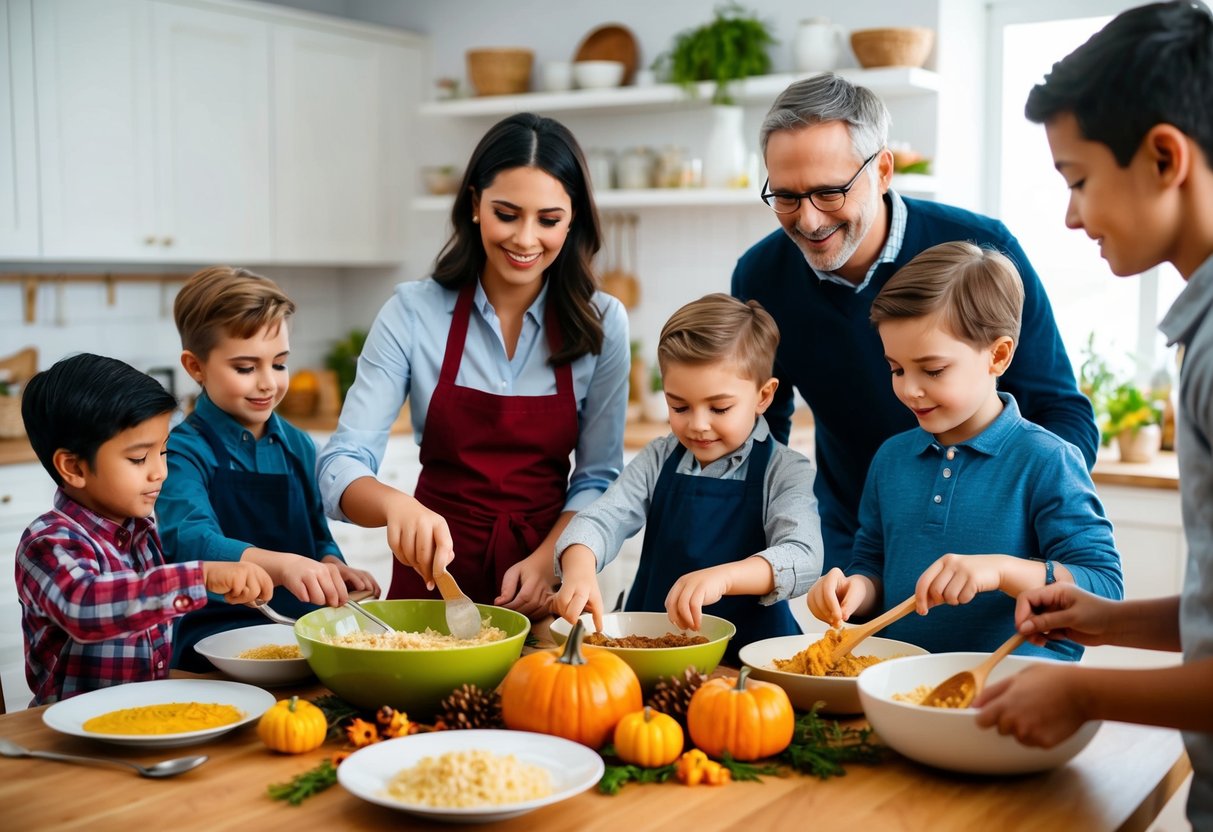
[(160, 714)]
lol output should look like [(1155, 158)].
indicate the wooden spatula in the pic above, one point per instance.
[(959, 690), (462, 617)]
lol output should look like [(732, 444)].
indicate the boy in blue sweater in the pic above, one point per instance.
[(844, 232), (974, 477)]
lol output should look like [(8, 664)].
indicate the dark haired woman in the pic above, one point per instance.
[(511, 362)]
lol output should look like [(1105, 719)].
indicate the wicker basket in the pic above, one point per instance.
[(908, 46), (500, 71)]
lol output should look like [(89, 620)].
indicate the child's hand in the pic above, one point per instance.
[(239, 582), (354, 579), (579, 590), (694, 591), (527, 585), (1041, 705), (313, 582), (956, 579), (835, 597), (419, 537), (1063, 611)]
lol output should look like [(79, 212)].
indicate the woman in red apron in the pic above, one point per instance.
[(511, 363)]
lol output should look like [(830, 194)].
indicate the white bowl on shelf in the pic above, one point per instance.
[(598, 75)]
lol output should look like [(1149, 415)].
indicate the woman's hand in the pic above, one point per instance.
[(579, 591), (1063, 611), (418, 537), (1041, 705), (527, 585), (355, 579), (835, 597)]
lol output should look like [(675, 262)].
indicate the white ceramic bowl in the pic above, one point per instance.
[(221, 649), (949, 738), (838, 694), (598, 75)]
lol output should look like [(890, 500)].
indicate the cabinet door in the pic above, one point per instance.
[(337, 145), (18, 156), (212, 88), (92, 63)]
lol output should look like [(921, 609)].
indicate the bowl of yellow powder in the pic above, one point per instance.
[(264, 654), (949, 738), (798, 665)]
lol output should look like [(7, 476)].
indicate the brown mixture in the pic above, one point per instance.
[(668, 640), (814, 660)]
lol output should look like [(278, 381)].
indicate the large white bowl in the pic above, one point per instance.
[(949, 738), (838, 694), (598, 75), (221, 650)]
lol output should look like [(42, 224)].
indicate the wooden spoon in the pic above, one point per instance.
[(853, 635), (960, 690)]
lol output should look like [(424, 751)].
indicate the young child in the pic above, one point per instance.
[(97, 599), (1129, 118), (242, 484), (731, 528), (974, 477)]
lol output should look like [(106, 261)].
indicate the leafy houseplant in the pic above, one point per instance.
[(1127, 408), (731, 47), (343, 359)]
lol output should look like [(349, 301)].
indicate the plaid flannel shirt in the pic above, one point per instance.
[(97, 601)]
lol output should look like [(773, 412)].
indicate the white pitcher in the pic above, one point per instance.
[(817, 45)]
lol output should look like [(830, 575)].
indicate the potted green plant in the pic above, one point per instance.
[(655, 409), (1135, 420), (731, 47)]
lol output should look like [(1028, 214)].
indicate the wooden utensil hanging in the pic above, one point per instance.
[(618, 280)]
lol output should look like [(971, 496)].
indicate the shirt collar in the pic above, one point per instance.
[(1191, 307), (108, 531), (535, 311), (760, 433), (990, 440), (229, 430), (892, 244)]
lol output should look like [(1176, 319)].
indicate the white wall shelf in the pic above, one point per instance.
[(911, 184), (888, 83)]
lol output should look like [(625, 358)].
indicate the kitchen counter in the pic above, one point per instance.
[(1119, 782), (16, 452)]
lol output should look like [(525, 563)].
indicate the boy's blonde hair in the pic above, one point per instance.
[(719, 327), (976, 291), (225, 301)]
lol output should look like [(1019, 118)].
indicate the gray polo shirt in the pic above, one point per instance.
[(1190, 324)]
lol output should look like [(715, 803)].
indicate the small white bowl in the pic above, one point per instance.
[(838, 694), (950, 738), (598, 75), (221, 649)]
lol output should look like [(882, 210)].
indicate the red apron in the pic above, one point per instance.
[(495, 467)]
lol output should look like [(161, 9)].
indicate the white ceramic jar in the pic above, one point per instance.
[(817, 45)]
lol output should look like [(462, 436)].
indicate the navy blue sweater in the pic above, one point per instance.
[(833, 356)]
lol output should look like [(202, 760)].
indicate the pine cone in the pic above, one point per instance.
[(672, 694), (471, 707)]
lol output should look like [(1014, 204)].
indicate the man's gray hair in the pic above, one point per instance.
[(830, 97)]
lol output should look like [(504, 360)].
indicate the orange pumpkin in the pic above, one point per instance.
[(576, 694), (748, 719), (648, 738)]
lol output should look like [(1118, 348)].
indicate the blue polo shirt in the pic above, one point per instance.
[(1014, 489)]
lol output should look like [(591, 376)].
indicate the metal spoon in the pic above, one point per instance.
[(351, 602), (959, 690), (165, 768)]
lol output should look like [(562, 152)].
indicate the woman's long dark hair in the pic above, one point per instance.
[(528, 140)]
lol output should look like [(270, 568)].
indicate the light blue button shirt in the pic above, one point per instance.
[(402, 358), (892, 245)]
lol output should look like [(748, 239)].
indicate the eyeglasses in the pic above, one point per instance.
[(823, 199)]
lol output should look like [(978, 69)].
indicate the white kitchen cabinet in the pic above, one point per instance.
[(18, 139), (1148, 526), (340, 106)]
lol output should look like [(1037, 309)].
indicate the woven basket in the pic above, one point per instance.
[(11, 426), (908, 46), (500, 71)]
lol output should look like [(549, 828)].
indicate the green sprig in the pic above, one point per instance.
[(305, 784), (820, 746)]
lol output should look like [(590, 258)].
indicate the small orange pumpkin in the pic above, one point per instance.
[(577, 694), (648, 738), (748, 719), (293, 726)]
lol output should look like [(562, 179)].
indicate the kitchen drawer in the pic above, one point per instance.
[(26, 491)]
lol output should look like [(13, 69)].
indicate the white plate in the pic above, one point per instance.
[(222, 650), (69, 716), (367, 772)]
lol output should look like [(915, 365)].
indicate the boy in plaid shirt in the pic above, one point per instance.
[(97, 599)]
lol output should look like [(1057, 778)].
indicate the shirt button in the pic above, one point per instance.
[(947, 472), (182, 603), (951, 453), (938, 499), (160, 665)]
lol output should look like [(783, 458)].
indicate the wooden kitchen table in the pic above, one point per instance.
[(1120, 781)]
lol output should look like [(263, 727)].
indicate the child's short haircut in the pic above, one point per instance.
[(1150, 65), (82, 402), (223, 301), (719, 327), (975, 290)]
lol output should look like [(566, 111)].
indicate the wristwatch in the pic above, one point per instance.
[(1049, 577)]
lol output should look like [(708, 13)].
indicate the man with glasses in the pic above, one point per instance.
[(844, 234)]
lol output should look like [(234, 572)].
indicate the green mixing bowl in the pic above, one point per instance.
[(414, 681), (651, 663)]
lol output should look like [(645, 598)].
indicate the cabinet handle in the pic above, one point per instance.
[(167, 241), (6, 498), (149, 240)]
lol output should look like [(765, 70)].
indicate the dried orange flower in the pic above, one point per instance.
[(339, 757), (398, 726), (362, 733)]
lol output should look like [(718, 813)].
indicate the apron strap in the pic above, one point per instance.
[(457, 336), (222, 457)]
